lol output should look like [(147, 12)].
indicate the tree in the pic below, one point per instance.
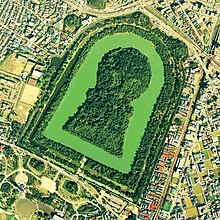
[(72, 21), (70, 186), (97, 4), (37, 164), (132, 216), (178, 122)]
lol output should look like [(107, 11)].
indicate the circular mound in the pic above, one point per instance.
[(21, 178), (25, 207)]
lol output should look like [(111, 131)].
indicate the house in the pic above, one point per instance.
[(36, 74), (32, 81), (57, 217)]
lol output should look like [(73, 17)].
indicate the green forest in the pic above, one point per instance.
[(73, 21), (97, 4), (123, 75)]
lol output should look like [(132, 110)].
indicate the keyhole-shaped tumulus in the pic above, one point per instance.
[(102, 120)]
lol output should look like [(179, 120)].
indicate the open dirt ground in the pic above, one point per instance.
[(27, 100), (48, 184), (197, 78), (12, 65), (29, 94), (25, 207)]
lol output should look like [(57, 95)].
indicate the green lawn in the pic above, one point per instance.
[(216, 173), (201, 145), (208, 164), (197, 189), (208, 154), (25, 207), (200, 199), (167, 206), (10, 217)]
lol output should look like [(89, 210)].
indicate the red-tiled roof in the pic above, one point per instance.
[(153, 206)]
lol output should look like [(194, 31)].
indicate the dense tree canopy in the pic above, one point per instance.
[(37, 164), (16, 127), (70, 186), (123, 75), (98, 4), (72, 21)]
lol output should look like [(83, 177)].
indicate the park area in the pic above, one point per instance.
[(25, 208)]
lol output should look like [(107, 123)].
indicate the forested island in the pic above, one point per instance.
[(123, 75)]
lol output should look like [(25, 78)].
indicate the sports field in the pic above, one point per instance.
[(12, 65), (28, 97), (25, 208), (86, 78)]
